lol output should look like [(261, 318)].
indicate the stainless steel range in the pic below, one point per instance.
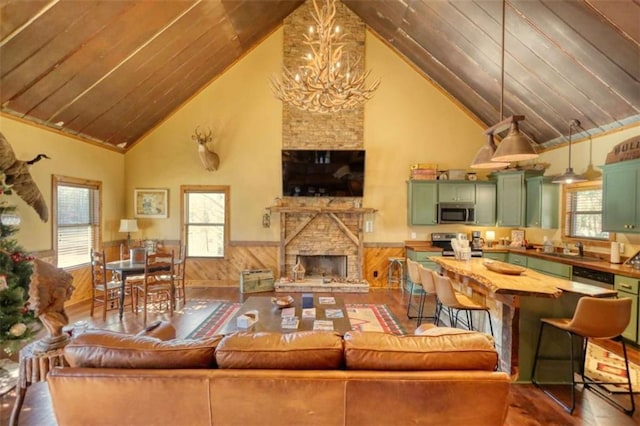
[(443, 241)]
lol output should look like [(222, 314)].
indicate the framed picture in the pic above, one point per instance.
[(151, 203)]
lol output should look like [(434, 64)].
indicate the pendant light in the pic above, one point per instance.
[(482, 160), (515, 146), (569, 176)]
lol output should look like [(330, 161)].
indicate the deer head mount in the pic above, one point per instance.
[(210, 159)]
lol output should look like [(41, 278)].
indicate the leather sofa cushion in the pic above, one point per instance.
[(302, 350), (108, 349), (452, 351)]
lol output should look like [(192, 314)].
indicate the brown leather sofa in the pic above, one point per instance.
[(442, 377)]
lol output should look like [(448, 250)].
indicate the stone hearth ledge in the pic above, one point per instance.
[(315, 285)]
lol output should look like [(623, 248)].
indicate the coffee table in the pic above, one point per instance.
[(270, 316)]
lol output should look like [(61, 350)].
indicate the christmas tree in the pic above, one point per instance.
[(17, 322)]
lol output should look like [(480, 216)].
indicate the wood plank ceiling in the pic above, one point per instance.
[(110, 71)]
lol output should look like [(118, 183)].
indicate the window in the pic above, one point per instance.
[(77, 220), (205, 219), (583, 212)]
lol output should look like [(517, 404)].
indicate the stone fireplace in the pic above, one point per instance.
[(322, 227)]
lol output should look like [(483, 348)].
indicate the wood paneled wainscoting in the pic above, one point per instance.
[(241, 255)]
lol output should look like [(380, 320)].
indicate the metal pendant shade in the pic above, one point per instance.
[(514, 147), (569, 176), (483, 158)]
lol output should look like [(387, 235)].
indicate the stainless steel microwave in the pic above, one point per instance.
[(456, 213)]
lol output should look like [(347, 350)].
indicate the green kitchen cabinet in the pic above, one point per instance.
[(548, 267), (517, 259), (542, 202), (502, 257), (621, 197), (510, 199), (457, 192), (629, 287), (422, 198), (485, 204)]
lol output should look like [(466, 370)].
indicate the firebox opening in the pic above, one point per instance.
[(331, 266)]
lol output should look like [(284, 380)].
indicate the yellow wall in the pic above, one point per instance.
[(407, 121), (69, 157)]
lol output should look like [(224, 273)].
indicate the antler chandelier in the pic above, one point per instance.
[(325, 83)]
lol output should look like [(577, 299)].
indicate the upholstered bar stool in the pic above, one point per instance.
[(454, 301), (413, 274), (395, 272), (594, 318), (429, 289)]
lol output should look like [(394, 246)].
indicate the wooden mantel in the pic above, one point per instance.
[(320, 209), (333, 212)]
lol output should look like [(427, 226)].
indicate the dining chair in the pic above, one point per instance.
[(104, 291), (456, 302), (157, 285), (594, 318), (179, 275)]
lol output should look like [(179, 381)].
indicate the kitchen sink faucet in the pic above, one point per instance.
[(580, 247)]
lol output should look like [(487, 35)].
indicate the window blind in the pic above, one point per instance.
[(77, 223)]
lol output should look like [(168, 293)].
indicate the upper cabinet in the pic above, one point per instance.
[(456, 193), (542, 202), (485, 203), (511, 199), (422, 198), (620, 191)]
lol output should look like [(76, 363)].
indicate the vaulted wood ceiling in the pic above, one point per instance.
[(110, 71)]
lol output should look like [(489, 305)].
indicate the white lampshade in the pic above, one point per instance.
[(490, 235), (128, 225)]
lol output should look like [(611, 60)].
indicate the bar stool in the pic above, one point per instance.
[(414, 278), (429, 289), (455, 301), (396, 266), (594, 318)]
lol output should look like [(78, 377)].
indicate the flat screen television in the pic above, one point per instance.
[(322, 173)]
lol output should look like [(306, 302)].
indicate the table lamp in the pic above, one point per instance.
[(128, 226), (490, 236)]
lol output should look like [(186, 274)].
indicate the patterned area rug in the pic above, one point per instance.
[(607, 366), (363, 317)]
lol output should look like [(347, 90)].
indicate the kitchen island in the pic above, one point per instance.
[(517, 302)]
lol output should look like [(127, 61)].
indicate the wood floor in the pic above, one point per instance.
[(528, 405)]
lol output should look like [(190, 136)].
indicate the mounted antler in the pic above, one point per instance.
[(210, 159)]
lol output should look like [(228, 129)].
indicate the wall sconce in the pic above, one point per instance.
[(368, 222), (266, 219)]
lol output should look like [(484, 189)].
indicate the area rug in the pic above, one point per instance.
[(363, 317), (604, 365)]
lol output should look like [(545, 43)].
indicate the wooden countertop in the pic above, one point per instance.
[(529, 283), (604, 265)]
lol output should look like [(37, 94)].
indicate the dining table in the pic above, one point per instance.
[(127, 268)]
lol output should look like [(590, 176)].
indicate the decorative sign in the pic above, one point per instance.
[(627, 150)]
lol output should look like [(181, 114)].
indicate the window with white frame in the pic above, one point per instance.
[(583, 211), (205, 220), (76, 220)]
